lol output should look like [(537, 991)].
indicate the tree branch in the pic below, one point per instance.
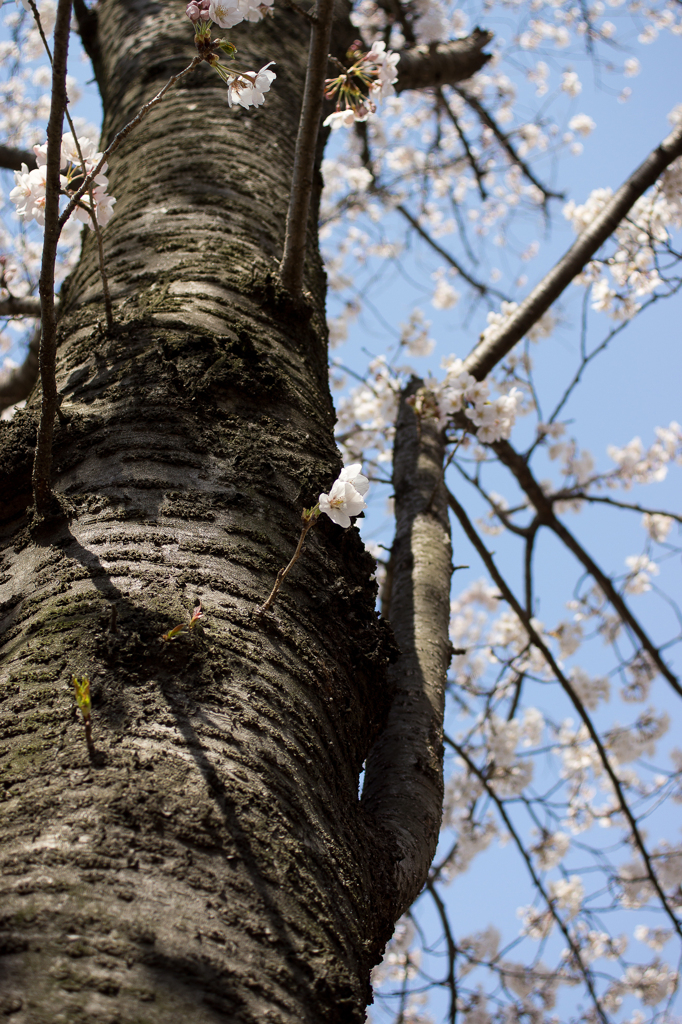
[(424, 67), (293, 257), (521, 470), (42, 464), (120, 137), (504, 141), (633, 506), (488, 353), (482, 289), (478, 174), (380, 190), (537, 641), (452, 949), (17, 385), (12, 158), (87, 19), (14, 305), (550, 903), (403, 787)]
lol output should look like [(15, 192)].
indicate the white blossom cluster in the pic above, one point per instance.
[(633, 267), (228, 13), (459, 392), (246, 88), (25, 80), (379, 67), (28, 195), (366, 417)]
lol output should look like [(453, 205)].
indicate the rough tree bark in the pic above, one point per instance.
[(212, 862)]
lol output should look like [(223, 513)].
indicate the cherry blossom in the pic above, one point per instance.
[(28, 195), (345, 499), (248, 90)]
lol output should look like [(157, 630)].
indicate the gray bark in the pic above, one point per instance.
[(212, 861), (404, 775)]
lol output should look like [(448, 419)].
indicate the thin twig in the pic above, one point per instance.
[(562, 679), (452, 949), (121, 137), (503, 140), (521, 470), (575, 950), (482, 289), (444, 105), (293, 257), (283, 573), (96, 227), (42, 464), (633, 506), (102, 271), (91, 211)]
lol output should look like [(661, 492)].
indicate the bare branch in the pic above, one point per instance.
[(488, 353), (478, 174), (121, 136), (12, 158), (574, 947), (602, 500), (403, 787), (505, 142), (482, 289), (561, 678), (42, 464), (519, 467), (452, 949), (551, 906), (424, 67), (17, 385), (379, 189), (14, 305), (293, 257)]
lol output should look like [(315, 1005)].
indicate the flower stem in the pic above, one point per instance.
[(283, 573), (121, 136)]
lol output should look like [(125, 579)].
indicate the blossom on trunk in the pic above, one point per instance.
[(345, 499)]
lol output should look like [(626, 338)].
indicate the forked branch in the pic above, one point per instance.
[(521, 470), (566, 685)]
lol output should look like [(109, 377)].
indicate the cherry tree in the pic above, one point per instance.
[(196, 674)]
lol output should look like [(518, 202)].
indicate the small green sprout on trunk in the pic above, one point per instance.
[(82, 691), (184, 627)]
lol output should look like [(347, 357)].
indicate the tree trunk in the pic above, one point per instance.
[(210, 861)]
